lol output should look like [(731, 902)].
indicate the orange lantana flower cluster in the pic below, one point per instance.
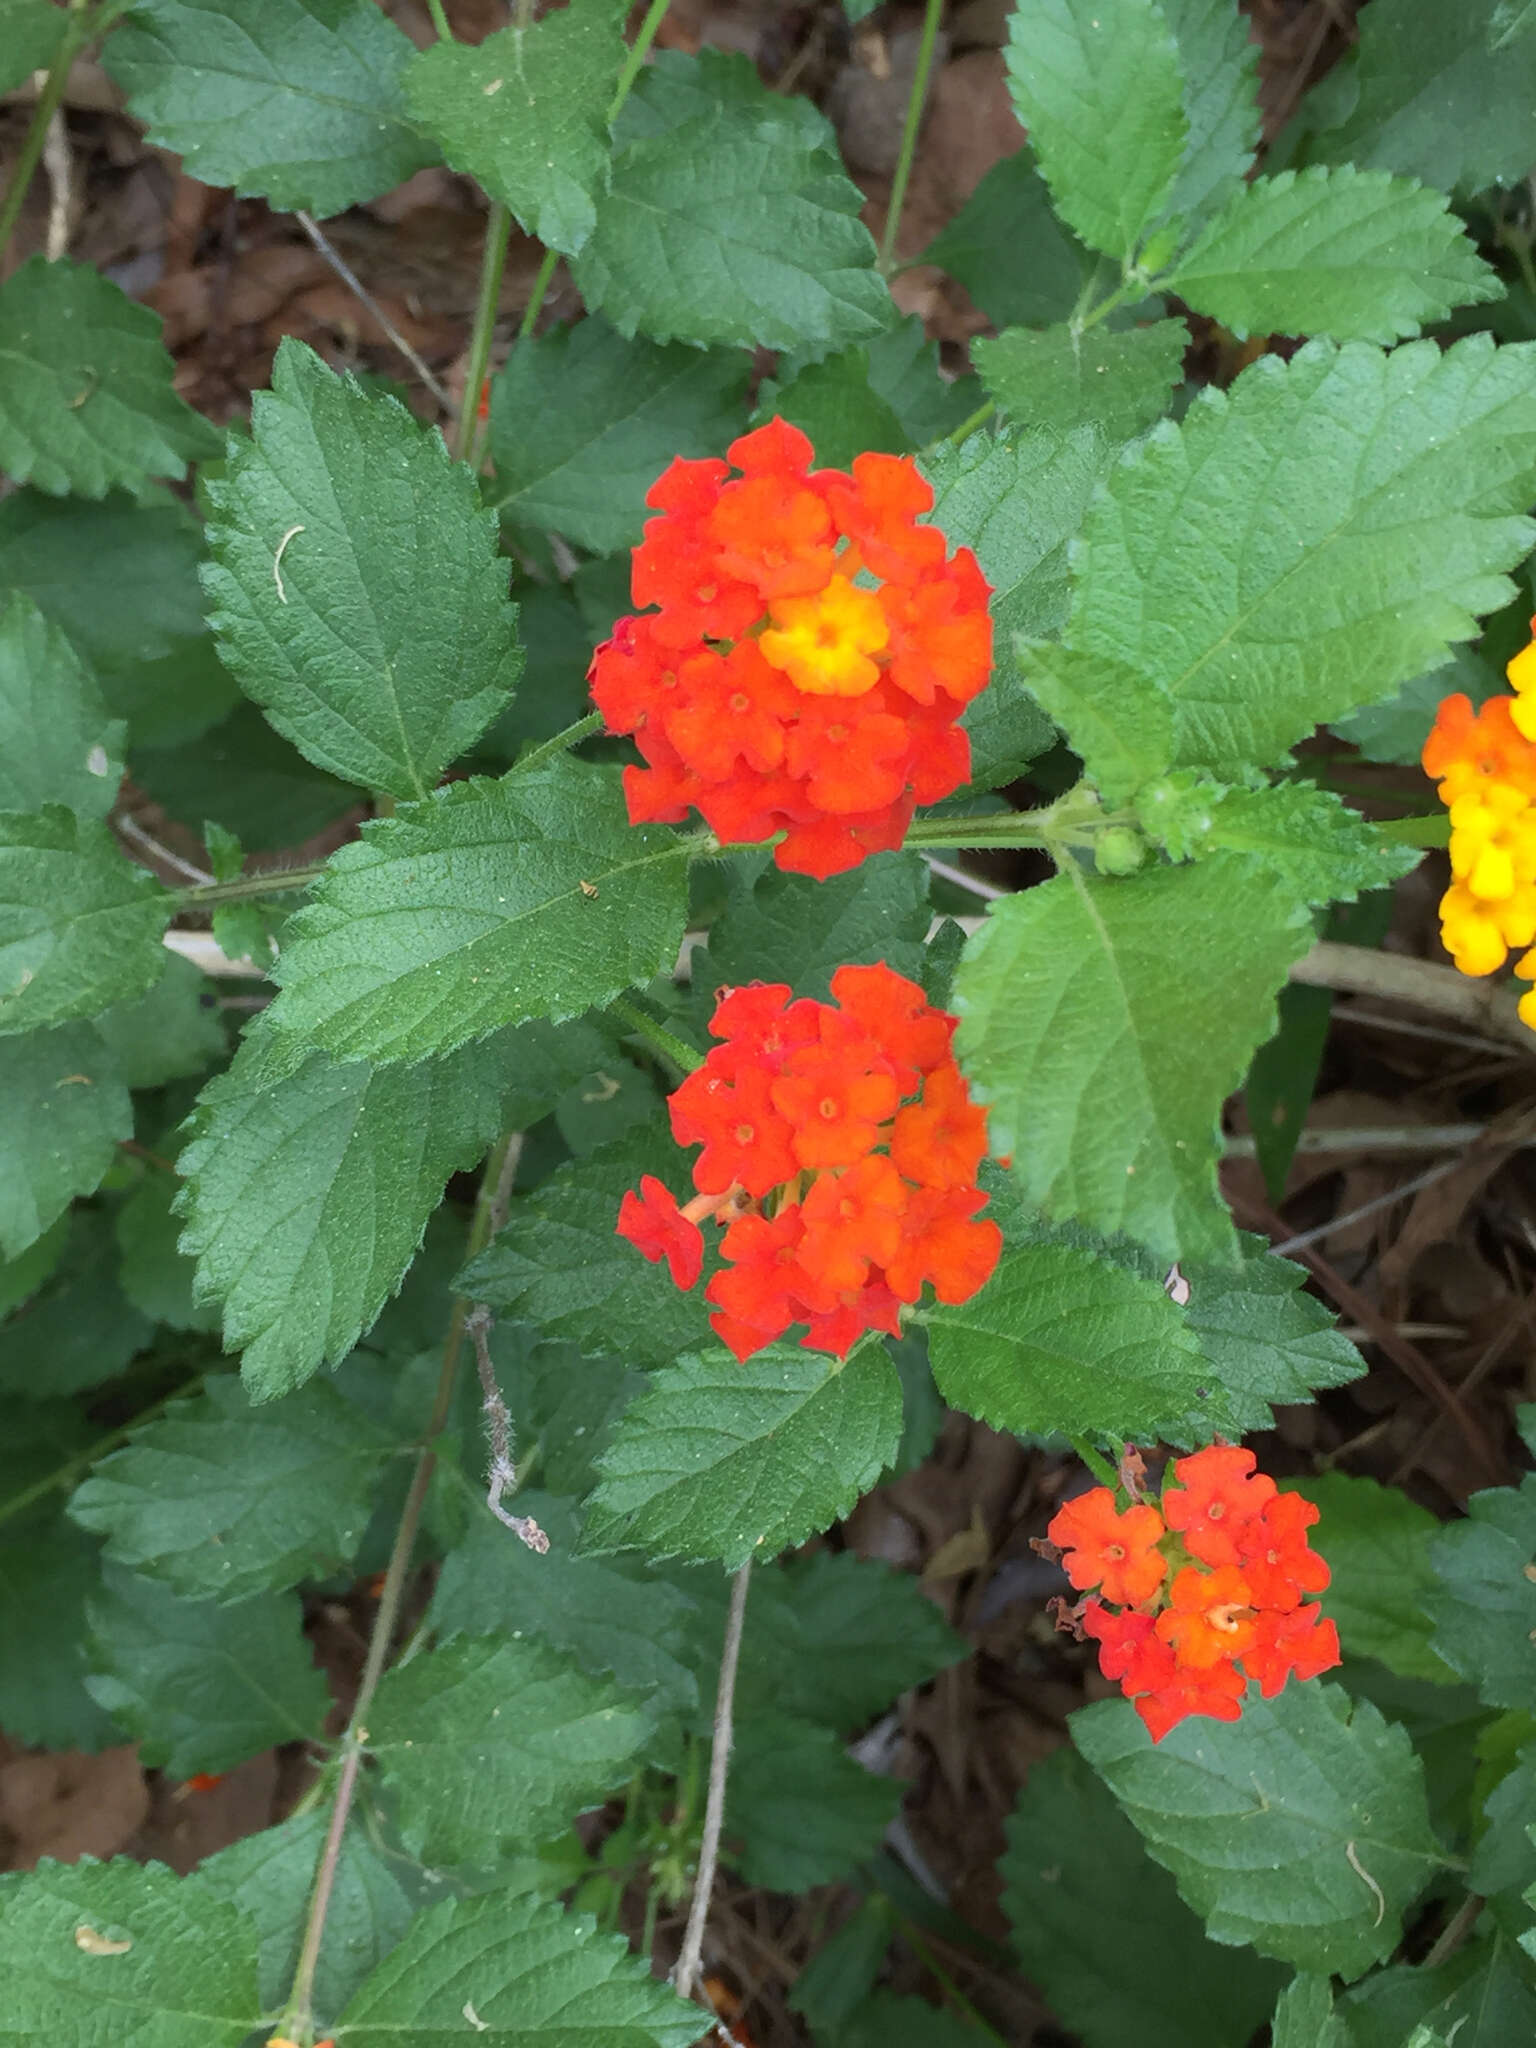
[(840, 1155), (1485, 763), (1205, 1591), (811, 651)]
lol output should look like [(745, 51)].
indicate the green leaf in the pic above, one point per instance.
[(80, 927), (887, 2021), (1359, 255), (524, 113), (785, 928), (168, 1034), (1008, 249), (285, 1155), (540, 1977), (223, 1501), (1220, 62), (1120, 382), (1397, 729), (1305, 2018), (560, 1265), (1425, 94), (1300, 1829), (154, 1274), (298, 102), (1282, 1081), (171, 1964), (30, 34), (1505, 1856), (1393, 489), (1309, 837), (1484, 1608), (1070, 982), (489, 904), (23, 1275), (202, 1687), (85, 386), (63, 1112), (1116, 720), (1099, 86), (1267, 1342), (1103, 1931), (245, 777), (1511, 20), (57, 745), (799, 1811), (583, 422), (120, 578), (724, 1461), (1059, 1340), (1376, 1542), (355, 582), (77, 1330), (835, 402), (767, 250), (490, 1744), (1481, 1998), (905, 371)]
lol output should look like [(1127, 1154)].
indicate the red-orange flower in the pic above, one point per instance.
[(828, 1222), (810, 654), (1215, 1500), (1103, 1545)]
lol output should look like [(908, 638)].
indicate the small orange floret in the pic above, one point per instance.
[(1485, 763), (811, 650), (655, 1225), (1111, 1547), (1218, 1494)]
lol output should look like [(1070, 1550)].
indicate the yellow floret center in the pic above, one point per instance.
[(824, 643)]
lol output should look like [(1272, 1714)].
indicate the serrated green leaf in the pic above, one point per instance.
[(583, 422), (674, 89), (524, 113), (1267, 1342), (287, 1156), (1376, 1542), (1120, 382), (1423, 93), (1505, 1856), (80, 927), (1073, 981), (1393, 489), (63, 1111), (30, 34), (786, 928), (489, 904), (171, 1964), (540, 1977), (299, 102), (1099, 86), (835, 402), (1059, 1340), (1484, 1608), (223, 1501), (1481, 1998), (120, 579), (244, 776), (767, 250), (1305, 2018), (799, 1811), (1359, 255), (1511, 19), (168, 1034), (57, 745), (905, 371), (1008, 249), (85, 386), (1300, 1829), (1397, 729), (489, 1744), (1309, 837), (355, 583), (1220, 61), (153, 1273), (719, 1461), (1116, 720), (1102, 1930), (199, 1686), (77, 1330)]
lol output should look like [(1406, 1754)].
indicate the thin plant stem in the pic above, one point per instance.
[(498, 232), (947, 1984), (967, 426), (682, 1056), (1096, 1462), (365, 298), (916, 100), (714, 1804), (536, 297), (76, 35), (130, 828), (1001, 828), (298, 2016), (61, 1475), (639, 50), (271, 882), (440, 21), (562, 742)]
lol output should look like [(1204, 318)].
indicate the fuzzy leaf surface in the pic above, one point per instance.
[(1358, 255), (523, 112), (175, 1966), (381, 643), (490, 1744), (30, 34), (542, 1978), (1312, 538), (583, 422), (1263, 1821), (1323, 851), (1484, 1608), (298, 102), (57, 744), (1066, 991), (799, 1811), (489, 904), (1220, 63), (170, 1033), (719, 1461), (1120, 382), (86, 400), (63, 1108), (1099, 86), (1267, 1342), (223, 1502), (80, 926), (1115, 719), (1008, 249), (77, 1330), (199, 1686), (789, 928), (1376, 1542)]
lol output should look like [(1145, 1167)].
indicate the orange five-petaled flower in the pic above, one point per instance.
[(811, 650), (1209, 1588), (840, 1152)]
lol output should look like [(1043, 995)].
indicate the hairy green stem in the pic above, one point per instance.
[(440, 21), (562, 742), (298, 2014), (682, 1056), (966, 428), (81, 27), (270, 882), (639, 50), (536, 297), (1096, 1462), (1000, 829), (498, 232), (916, 100), (61, 1475)]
